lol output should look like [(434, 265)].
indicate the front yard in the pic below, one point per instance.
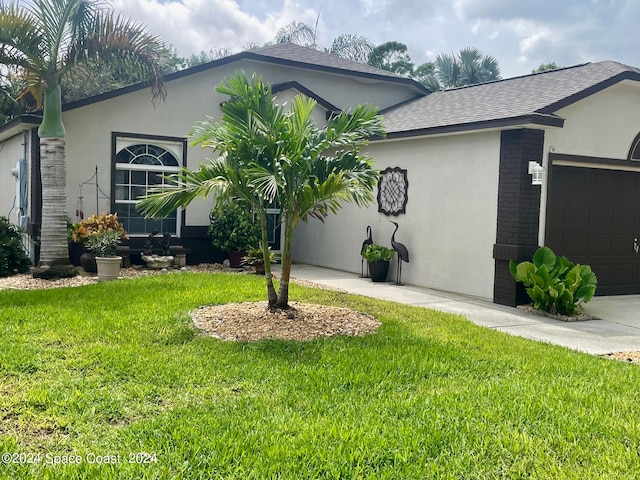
[(114, 379)]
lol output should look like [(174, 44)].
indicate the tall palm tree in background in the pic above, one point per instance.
[(43, 42), (468, 67), (268, 154)]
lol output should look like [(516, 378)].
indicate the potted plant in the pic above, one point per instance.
[(255, 258), (378, 258), (105, 245), (82, 231), (234, 231)]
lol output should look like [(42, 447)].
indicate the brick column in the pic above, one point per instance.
[(518, 211)]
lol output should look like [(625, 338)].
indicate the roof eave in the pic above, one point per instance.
[(19, 124), (247, 55), (543, 120), (571, 99)]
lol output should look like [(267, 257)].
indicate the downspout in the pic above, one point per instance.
[(544, 193)]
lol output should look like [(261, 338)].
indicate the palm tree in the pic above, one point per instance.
[(347, 45), (351, 46), (268, 154), (44, 41), (468, 67)]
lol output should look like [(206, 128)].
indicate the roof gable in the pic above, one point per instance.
[(287, 54)]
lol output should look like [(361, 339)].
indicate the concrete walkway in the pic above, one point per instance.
[(617, 331)]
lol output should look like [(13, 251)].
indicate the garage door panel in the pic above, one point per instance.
[(624, 215), (593, 218), (599, 244), (576, 214), (602, 186), (577, 184), (625, 187), (577, 243), (600, 215), (623, 246)]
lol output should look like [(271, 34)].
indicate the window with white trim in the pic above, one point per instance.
[(140, 166)]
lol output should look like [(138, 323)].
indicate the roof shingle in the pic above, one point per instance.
[(536, 96)]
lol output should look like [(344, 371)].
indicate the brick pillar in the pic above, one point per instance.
[(518, 211)]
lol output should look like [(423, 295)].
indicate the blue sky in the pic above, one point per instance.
[(520, 34)]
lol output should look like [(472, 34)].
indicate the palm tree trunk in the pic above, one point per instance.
[(53, 234), (283, 291), (53, 166), (271, 291)]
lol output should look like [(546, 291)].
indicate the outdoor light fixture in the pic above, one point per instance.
[(535, 170)]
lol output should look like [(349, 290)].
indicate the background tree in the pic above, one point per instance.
[(543, 67), (267, 155), (350, 46), (203, 57), (393, 57), (467, 67), (297, 32), (43, 42)]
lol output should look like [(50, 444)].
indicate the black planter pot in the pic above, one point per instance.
[(235, 259), (379, 270), (88, 262), (75, 252)]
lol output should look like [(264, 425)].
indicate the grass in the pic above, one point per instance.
[(109, 370)]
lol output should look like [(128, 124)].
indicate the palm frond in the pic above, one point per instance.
[(114, 40)]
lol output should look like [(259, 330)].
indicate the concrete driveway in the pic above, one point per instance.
[(618, 329)]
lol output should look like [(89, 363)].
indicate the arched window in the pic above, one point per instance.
[(138, 168), (634, 152)]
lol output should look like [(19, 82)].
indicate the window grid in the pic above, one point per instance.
[(140, 168)]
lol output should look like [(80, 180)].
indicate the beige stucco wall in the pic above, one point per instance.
[(450, 224), (189, 99), (12, 151), (601, 125)]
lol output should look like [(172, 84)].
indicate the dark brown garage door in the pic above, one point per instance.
[(593, 217)]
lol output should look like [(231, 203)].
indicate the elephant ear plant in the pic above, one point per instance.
[(554, 283)]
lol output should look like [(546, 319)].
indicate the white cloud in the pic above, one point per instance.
[(192, 26)]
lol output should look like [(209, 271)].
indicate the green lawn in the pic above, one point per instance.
[(106, 371)]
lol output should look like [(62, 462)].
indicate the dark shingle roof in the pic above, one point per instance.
[(292, 53), (528, 99)]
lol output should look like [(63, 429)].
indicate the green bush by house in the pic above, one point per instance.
[(13, 259), (554, 283)]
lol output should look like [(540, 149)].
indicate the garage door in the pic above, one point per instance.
[(593, 217)]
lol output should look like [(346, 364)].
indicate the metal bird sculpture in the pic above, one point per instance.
[(403, 254), (368, 241)]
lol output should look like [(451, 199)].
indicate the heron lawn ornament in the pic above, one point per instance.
[(368, 241), (403, 254)]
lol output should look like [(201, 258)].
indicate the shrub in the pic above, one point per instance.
[(13, 258), (104, 243), (553, 283), (80, 232), (377, 253), (234, 229)]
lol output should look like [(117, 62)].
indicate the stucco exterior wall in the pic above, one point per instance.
[(602, 125), (450, 224), (12, 151), (189, 99)]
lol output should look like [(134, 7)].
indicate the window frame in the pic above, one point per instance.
[(177, 146)]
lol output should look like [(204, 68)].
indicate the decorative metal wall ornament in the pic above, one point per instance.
[(393, 189)]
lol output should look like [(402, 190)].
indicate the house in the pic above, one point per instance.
[(475, 176)]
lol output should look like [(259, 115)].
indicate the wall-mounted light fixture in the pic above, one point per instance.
[(535, 170)]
